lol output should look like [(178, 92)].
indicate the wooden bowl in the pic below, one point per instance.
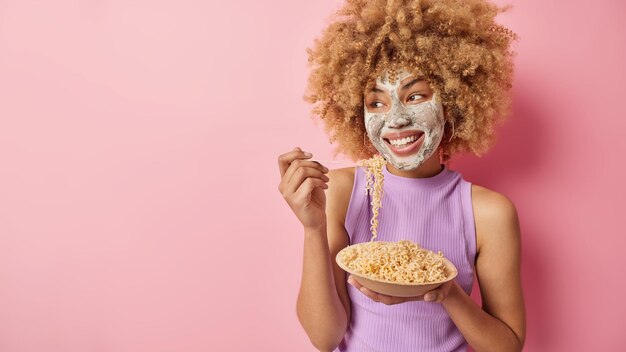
[(397, 289)]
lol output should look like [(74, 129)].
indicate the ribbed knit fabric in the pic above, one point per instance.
[(435, 212)]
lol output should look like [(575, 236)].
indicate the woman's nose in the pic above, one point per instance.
[(398, 121)]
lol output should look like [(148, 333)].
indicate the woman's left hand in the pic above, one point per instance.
[(437, 295)]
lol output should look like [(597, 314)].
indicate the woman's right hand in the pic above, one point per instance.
[(302, 184)]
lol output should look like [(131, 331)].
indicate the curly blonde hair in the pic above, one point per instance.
[(455, 44)]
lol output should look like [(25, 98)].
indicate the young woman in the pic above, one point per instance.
[(415, 82)]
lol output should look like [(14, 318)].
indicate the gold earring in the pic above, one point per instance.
[(368, 146)]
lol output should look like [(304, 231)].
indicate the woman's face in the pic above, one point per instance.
[(404, 120)]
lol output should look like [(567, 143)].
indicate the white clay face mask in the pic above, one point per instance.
[(405, 135)]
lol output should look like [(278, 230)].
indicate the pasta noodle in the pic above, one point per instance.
[(402, 262), (374, 187)]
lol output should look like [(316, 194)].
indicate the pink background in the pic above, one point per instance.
[(139, 208)]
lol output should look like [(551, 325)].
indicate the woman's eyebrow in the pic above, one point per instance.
[(408, 85), (404, 87)]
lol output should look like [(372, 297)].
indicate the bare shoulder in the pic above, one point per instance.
[(495, 217), (492, 206), (339, 191)]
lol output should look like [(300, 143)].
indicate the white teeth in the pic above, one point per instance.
[(403, 141)]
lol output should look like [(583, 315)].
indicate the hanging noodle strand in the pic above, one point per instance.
[(374, 187), (403, 261)]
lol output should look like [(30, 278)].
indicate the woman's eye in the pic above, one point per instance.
[(376, 104), (414, 97)]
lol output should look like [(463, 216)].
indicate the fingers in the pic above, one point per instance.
[(379, 297), (296, 164), (434, 296), (295, 169), (353, 282), (440, 293), (307, 186), (302, 174), (285, 160)]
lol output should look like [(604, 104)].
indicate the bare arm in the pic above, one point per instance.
[(323, 306), (500, 324)]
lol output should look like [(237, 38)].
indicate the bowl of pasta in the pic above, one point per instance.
[(400, 269)]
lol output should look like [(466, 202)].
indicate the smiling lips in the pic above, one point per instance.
[(404, 143)]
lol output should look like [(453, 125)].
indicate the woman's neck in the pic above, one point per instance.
[(429, 168)]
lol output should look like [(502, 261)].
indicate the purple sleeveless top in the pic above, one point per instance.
[(435, 212)]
